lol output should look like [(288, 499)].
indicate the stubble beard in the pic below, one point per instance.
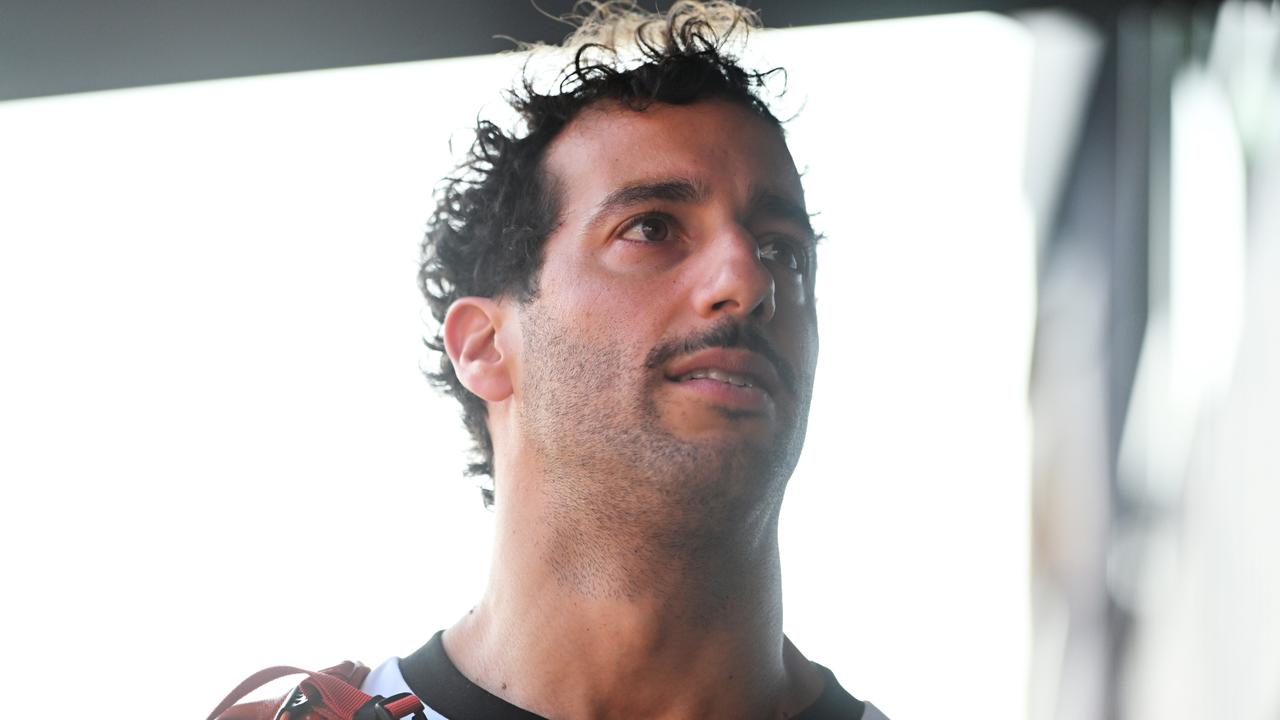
[(635, 511)]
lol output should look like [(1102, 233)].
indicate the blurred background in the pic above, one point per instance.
[(1040, 462)]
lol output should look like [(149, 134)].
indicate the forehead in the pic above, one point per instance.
[(715, 143)]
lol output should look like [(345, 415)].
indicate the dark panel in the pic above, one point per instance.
[(50, 47), (60, 47)]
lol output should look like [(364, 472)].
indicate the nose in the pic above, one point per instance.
[(736, 283)]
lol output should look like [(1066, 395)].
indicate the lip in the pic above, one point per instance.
[(739, 362)]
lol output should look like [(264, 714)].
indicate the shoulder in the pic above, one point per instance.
[(836, 703), (385, 679), (871, 712)]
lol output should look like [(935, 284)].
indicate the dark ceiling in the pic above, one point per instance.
[(51, 48)]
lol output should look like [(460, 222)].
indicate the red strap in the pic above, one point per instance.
[(335, 694), (404, 707), (251, 683), (343, 699)]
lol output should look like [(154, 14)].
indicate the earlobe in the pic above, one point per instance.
[(470, 337)]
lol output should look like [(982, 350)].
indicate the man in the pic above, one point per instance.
[(625, 297)]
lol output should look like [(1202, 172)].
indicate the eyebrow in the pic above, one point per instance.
[(770, 204), (763, 202), (672, 190)]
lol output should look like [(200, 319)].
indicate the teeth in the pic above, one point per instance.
[(721, 375)]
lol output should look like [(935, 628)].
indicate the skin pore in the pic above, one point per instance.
[(635, 570)]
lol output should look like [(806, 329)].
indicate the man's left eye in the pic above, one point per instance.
[(783, 253)]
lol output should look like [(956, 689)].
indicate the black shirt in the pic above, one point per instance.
[(432, 676)]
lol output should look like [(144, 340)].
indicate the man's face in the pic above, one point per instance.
[(672, 343)]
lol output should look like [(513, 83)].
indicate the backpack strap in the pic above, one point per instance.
[(331, 694)]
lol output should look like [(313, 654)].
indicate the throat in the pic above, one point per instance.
[(621, 658), (690, 564)]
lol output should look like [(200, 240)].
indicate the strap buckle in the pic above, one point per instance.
[(295, 700), (376, 708)]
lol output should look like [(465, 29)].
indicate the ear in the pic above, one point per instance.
[(470, 337)]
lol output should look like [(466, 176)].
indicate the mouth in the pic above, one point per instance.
[(719, 375), (736, 378)]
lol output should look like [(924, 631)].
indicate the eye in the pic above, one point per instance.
[(647, 229), (785, 252)]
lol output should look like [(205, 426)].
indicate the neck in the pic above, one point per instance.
[(632, 614)]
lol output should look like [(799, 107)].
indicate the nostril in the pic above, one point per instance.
[(722, 304)]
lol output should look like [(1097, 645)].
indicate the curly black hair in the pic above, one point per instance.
[(495, 213)]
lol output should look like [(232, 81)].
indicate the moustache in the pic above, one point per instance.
[(726, 334)]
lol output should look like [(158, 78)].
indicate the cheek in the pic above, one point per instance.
[(790, 290), (798, 332), (616, 323), (623, 304)]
